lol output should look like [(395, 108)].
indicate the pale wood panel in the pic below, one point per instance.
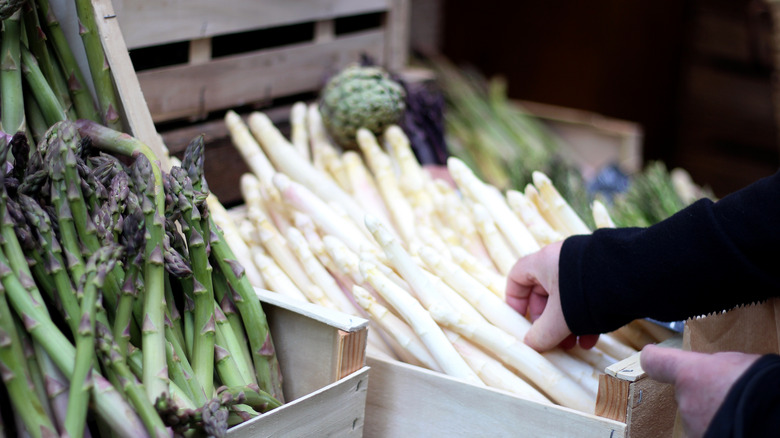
[(309, 341), (408, 401), (153, 22), (612, 399), (180, 91), (134, 111), (337, 410)]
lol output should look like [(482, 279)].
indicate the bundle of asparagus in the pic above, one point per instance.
[(371, 233), (109, 311)]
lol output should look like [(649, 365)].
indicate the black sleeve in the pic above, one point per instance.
[(707, 257), (752, 405)]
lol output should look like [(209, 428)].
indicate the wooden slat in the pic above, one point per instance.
[(612, 398), (154, 22), (178, 91), (311, 338), (397, 24), (134, 111), (405, 401), (652, 409), (334, 410)]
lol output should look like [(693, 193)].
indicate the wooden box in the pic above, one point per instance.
[(322, 357), (405, 400)]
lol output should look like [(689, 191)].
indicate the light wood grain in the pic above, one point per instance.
[(408, 401), (134, 111), (154, 22), (612, 398), (181, 91), (336, 410)]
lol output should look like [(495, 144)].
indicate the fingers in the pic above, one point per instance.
[(588, 341), (549, 329), (662, 364)]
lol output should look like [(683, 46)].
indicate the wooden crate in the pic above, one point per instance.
[(405, 400), (211, 56), (322, 358)]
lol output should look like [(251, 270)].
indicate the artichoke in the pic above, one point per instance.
[(360, 97)]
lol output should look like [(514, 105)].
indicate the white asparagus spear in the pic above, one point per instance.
[(248, 147), (533, 195), (494, 242), (558, 205), (533, 366), (317, 272), (275, 279), (492, 371), (286, 160), (498, 313), (486, 275), (421, 322), (402, 262), (234, 239), (299, 133), (527, 212), (515, 232), (601, 215), (411, 177), (393, 326), (378, 161), (330, 222), (364, 187)]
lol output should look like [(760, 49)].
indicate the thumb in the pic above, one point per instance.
[(547, 331), (661, 363)]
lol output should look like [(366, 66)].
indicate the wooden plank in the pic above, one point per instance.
[(397, 23), (337, 409), (303, 331), (154, 22), (134, 111), (651, 409), (612, 398), (405, 400), (178, 91)]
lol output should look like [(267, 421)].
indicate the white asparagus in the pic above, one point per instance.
[(498, 313), (329, 221), (554, 220), (248, 147), (402, 262), (275, 279), (487, 275), (317, 273), (528, 362), (299, 132), (492, 371), (421, 322), (601, 215), (497, 247), (395, 327), (378, 161), (528, 213), (515, 232), (364, 187), (285, 159), (411, 177), (233, 238), (558, 205)]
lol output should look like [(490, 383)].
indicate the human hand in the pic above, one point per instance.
[(532, 289), (701, 381)]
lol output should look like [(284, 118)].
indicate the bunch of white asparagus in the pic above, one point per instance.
[(371, 233)]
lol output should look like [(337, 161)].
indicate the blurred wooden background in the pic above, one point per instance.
[(696, 74)]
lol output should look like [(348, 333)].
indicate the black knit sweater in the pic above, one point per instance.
[(708, 257)]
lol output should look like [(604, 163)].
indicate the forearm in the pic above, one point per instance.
[(708, 257)]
